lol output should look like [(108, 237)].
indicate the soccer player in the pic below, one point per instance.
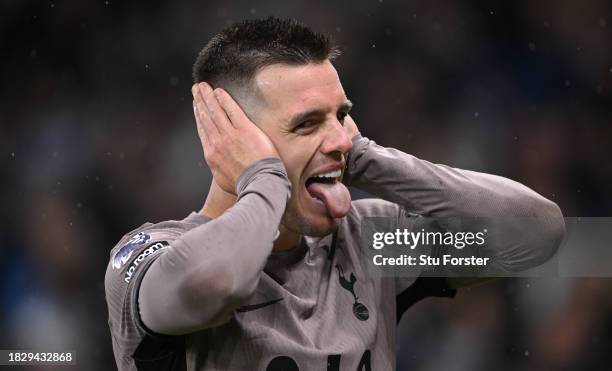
[(267, 275)]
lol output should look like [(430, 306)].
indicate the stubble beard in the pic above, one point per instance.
[(298, 223)]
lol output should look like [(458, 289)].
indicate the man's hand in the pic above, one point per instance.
[(350, 127), (230, 140)]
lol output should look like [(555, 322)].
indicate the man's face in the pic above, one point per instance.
[(303, 112)]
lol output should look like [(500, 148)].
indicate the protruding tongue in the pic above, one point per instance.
[(335, 196)]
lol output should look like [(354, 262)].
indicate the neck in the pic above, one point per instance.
[(218, 201)]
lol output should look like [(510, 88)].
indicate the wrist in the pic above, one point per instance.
[(269, 165)]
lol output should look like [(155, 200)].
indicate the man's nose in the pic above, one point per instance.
[(336, 139)]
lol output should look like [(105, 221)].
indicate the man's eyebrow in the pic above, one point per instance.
[(317, 113)]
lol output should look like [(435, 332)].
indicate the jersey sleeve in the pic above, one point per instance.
[(129, 260), (527, 228)]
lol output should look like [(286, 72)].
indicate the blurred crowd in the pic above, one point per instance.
[(97, 137)]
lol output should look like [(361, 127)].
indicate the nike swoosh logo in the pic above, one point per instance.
[(248, 308)]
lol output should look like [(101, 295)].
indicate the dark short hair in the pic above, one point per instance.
[(238, 52)]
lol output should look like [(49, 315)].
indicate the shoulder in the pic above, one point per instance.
[(373, 207), (372, 214), (145, 235), (366, 208), (139, 247), (128, 261)]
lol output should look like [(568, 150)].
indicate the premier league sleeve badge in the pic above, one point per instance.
[(125, 252)]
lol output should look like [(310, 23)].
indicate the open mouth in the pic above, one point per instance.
[(327, 191), (327, 178)]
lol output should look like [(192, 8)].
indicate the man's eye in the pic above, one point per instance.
[(341, 116), (305, 125)]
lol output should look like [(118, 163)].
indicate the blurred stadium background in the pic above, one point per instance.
[(97, 137)]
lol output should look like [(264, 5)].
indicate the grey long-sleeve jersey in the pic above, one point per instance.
[(225, 301)]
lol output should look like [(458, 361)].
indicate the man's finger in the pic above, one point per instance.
[(234, 112), (205, 120), (217, 114), (197, 112), (201, 129)]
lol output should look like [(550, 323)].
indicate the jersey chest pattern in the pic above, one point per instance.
[(321, 312)]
